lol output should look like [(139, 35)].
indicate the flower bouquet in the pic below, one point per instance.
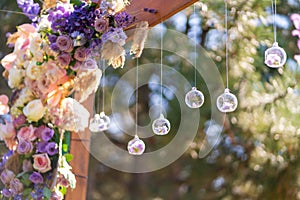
[(53, 57)]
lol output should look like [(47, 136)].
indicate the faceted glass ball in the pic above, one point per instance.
[(104, 123), (161, 126), (94, 123), (194, 98), (227, 102), (275, 56), (100, 122), (136, 146)]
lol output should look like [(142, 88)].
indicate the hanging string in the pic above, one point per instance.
[(136, 96), (103, 85), (274, 13), (226, 43), (195, 51), (161, 67)]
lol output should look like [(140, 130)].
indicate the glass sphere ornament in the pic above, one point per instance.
[(227, 102), (136, 146), (194, 98), (275, 56), (161, 126), (105, 122), (100, 122)]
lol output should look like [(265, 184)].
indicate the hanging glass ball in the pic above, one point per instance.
[(275, 56), (136, 146), (100, 122), (227, 102), (161, 126), (194, 98), (94, 123), (104, 122)]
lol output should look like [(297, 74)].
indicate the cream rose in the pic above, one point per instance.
[(34, 71), (15, 77), (41, 162), (34, 110)]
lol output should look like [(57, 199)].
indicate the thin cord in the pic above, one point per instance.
[(161, 67), (136, 97), (103, 85), (195, 52), (226, 43), (274, 13)]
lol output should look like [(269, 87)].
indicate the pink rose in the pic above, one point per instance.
[(26, 29), (4, 109), (27, 133), (41, 162), (8, 61)]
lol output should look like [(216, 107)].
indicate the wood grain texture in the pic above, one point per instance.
[(80, 141), (165, 9)]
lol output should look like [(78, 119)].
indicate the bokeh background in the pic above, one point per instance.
[(257, 156)]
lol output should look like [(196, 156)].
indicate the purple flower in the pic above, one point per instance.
[(296, 20), (51, 148), (36, 178), (123, 19), (64, 43), (7, 176), (54, 47), (116, 35), (101, 25), (29, 8), (24, 147), (16, 186), (19, 121), (64, 59), (47, 134), (80, 54), (89, 64), (41, 147), (27, 166), (52, 38), (6, 192)]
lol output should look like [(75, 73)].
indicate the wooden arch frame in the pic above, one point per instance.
[(80, 163)]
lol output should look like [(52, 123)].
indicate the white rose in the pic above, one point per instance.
[(15, 77), (34, 110)]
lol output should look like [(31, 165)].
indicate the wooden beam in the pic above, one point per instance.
[(80, 142), (165, 9)]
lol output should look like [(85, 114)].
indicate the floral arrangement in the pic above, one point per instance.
[(53, 57)]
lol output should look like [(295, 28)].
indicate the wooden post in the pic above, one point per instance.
[(80, 142)]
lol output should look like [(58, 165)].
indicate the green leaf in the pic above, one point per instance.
[(21, 174), (27, 192), (25, 179), (63, 190), (47, 193), (76, 2), (65, 147), (69, 157)]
